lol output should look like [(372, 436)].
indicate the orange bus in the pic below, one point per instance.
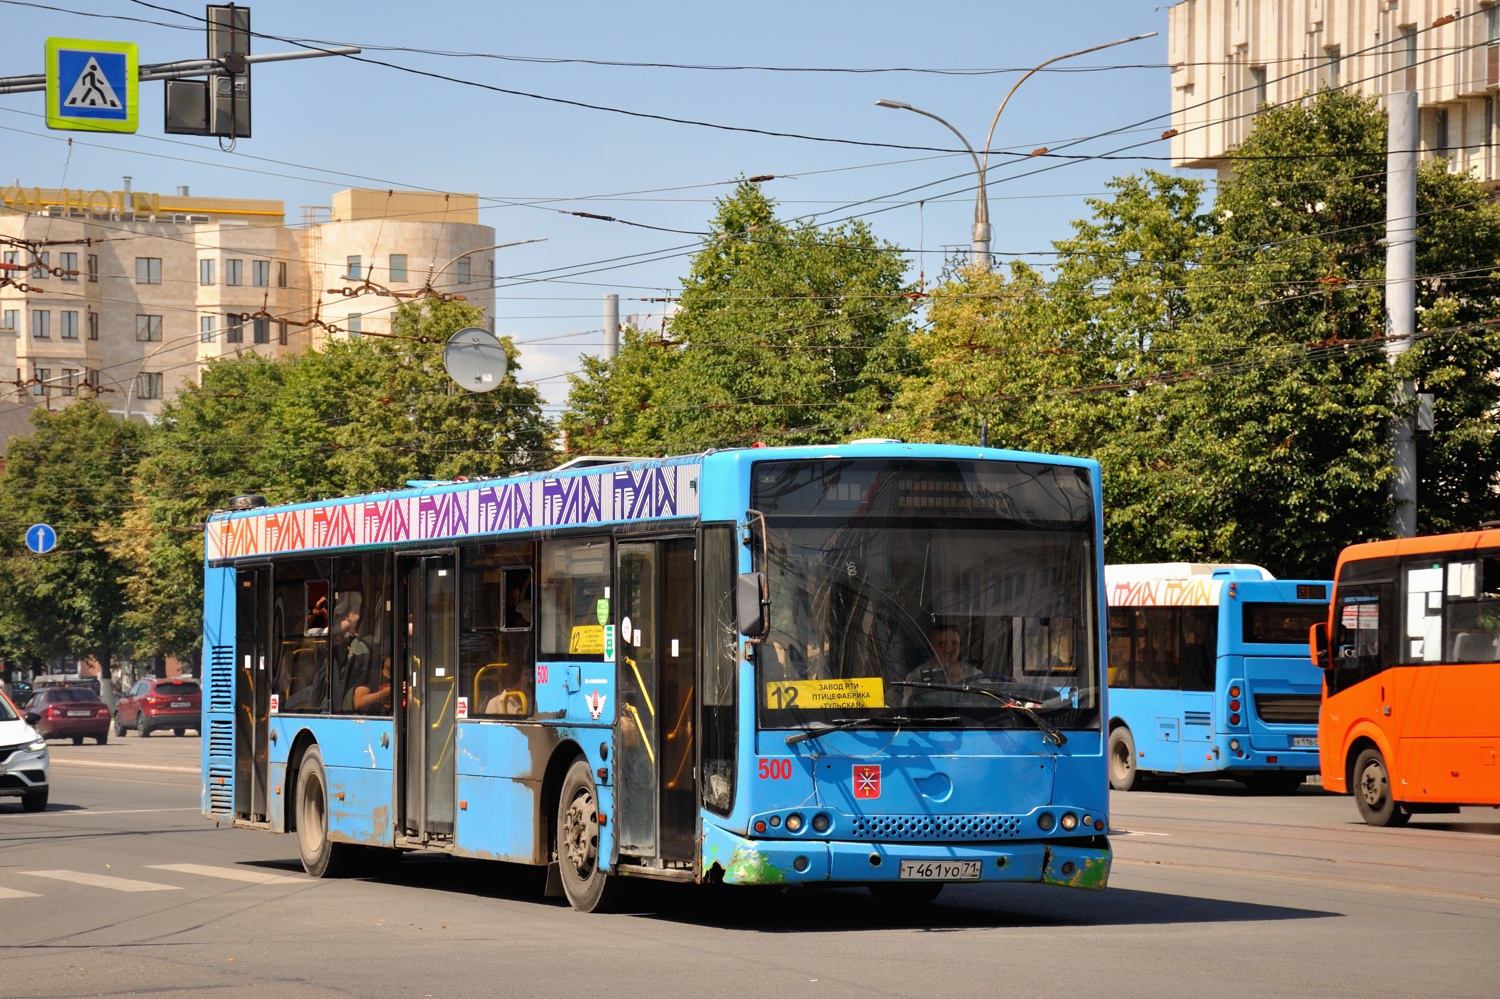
[(1410, 721)]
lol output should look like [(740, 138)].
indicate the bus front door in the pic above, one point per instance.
[(252, 692), (656, 794), (428, 647)]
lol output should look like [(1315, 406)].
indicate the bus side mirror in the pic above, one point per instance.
[(1317, 644), (750, 605)]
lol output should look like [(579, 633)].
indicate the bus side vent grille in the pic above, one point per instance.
[(1196, 718), (916, 828), (220, 766), (1288, 708), (221, 678)]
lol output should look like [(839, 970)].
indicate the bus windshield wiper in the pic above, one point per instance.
[(849, 724), (1049, 731)]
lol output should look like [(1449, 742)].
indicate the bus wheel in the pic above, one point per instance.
[(321, 857), (1372, 791), (584, 882), (1123, 776)]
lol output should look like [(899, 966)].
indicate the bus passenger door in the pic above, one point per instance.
[(252, 692), (426, 638), (655, 777)]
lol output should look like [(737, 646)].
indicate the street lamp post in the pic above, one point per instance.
[(433, 273), (981, 236)]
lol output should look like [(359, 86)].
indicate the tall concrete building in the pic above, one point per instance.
[(128, 294), (1229, 57)]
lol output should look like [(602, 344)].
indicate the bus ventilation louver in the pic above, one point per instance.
[(220, 767), (915, 828), (1301, 709), (220, 679), (1197, 718)]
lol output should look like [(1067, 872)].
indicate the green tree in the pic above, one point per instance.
[(788, 331), (74, 473)]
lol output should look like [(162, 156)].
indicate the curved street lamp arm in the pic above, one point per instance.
[(432, 274), (1040, 66)]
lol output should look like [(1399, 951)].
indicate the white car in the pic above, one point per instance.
[(23, 760)]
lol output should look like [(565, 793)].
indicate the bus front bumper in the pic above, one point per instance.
[(1070, 863)]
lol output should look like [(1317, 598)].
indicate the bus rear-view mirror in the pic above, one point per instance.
[(1317, 644), (750, 605)]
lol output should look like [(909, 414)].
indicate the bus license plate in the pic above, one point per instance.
[(182, 704), (939, 870), (1304, 742)]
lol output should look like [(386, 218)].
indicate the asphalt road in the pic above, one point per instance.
[(122, 888)]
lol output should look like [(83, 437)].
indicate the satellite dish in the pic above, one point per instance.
[(475, 359)]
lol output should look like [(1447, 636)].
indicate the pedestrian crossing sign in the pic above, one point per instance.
[(92, 86)]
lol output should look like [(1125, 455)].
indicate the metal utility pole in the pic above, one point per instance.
[(611, 326), (1400, 298)]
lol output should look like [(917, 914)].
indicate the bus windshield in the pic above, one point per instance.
[(928, 593)]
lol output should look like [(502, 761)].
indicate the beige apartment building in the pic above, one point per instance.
[(1229, 57), (128, 294)]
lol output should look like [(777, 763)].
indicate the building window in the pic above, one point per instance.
[(93, 325), (41, 324), (42, 267), (148, 270), (93, 267), (42, 376), (281, 332), (491, 269), (1492, 24), (355, 324), (11, 320), (69, 264), (1335, 66), (1440, 131), (234, 272), (260, 273), (205, 272), (352, 266), (12, 259), (281, 274), (69, 381), (260, 329), (148, 385), (69, 329), (234, 328), (207, 328), (464, 276), (398, 267), (148, 328), (1257, 88), (1409, 56)]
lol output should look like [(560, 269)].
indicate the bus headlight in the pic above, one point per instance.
[(1045, 821), (1069, 822), (794, 823)]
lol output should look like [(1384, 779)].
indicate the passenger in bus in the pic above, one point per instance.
[(946, 665), (514, 697), (370, 693)]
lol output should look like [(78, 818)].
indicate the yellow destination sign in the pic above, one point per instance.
[(586, 640), (860, 692)]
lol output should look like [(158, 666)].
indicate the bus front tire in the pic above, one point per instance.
[(321, 857), (1372, 791), (587, 887), (1123, 775)]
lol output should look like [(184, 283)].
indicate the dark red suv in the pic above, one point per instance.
[(62, 712), (155, 703)]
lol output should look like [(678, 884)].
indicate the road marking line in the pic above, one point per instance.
[(123, 766), (17, 893), (101, 881), (1135, 832), (121, 811), (231, 873)]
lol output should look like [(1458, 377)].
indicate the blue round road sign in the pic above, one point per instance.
[(41, 538)]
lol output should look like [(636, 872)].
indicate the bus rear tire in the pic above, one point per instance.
[(1123, 775), (1372, 791), (321, 857), (587, 887)]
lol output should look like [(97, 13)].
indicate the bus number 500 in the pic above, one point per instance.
[(775, 769)]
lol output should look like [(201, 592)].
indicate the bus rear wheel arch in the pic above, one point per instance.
[(1370, 782), (1123, 773), (321, 857)]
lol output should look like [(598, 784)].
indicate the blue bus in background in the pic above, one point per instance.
[(1209, 674), (719, 667)]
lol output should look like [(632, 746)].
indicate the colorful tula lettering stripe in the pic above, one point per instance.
[(654, 492)]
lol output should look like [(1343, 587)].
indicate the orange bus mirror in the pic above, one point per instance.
[(1317, 643)]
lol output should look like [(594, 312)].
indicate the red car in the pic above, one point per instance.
[(61, 712), (156, 702)]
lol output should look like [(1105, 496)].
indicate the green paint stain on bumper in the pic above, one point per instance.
[(750, 867), (1077, 869)]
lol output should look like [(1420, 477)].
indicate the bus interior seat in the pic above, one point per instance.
[(1474, 647)]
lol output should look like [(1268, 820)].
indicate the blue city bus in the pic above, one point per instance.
[(1209, 674), (709, 668)]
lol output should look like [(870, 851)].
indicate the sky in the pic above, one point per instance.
[(645, 113)]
